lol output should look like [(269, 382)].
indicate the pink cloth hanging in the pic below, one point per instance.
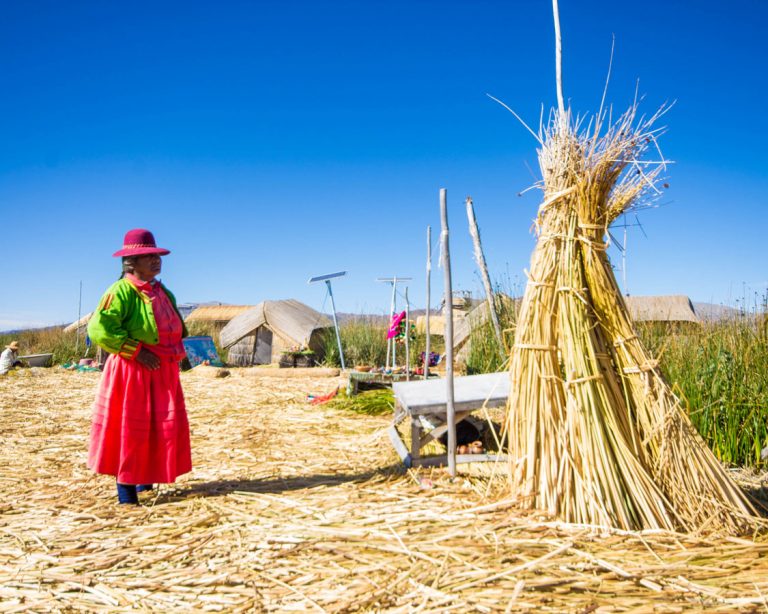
[(394, 328)]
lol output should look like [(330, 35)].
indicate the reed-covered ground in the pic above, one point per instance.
[(295, 507)]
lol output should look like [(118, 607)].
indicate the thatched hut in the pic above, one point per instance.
[(260, 335)]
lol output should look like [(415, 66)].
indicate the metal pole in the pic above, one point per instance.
[(481, 264), (450, 409), (391, 315), (336, 324), (407, 335), (429, 275)]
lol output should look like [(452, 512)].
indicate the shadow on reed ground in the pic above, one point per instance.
[(276, 485)]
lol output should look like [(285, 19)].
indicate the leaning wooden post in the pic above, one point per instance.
[(480, 259), (449, 407), (407, 335), (429, 275)]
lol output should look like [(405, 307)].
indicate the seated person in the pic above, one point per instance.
[(9, 359)]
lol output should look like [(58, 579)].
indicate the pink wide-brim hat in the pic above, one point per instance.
[(139, 242)]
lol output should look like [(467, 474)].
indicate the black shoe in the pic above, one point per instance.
[(126, 494)]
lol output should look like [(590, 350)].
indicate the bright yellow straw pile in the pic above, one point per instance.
[(595, 433)]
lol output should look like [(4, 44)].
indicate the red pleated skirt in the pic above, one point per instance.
[(140, 431)]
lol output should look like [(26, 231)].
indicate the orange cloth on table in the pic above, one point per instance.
[(140, 432)]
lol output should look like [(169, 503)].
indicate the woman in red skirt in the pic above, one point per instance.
[(140, 432)]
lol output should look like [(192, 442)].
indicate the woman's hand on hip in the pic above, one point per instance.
[(148, 359)]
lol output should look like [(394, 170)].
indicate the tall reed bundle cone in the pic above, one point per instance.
[(596, 434)]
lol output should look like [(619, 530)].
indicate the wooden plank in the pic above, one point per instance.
[(438, 409), (442, 459), (399, 445), (415, 440)]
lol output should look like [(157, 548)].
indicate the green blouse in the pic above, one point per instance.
[(124, 319)]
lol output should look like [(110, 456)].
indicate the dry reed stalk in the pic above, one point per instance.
[(596, 435)]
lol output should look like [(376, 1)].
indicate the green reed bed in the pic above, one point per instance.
[(364, 341), (722, 371), (370, 402)]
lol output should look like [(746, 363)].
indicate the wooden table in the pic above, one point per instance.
[(359, 379), (428, 398)]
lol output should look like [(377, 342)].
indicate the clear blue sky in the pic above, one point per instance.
[(265, 142)]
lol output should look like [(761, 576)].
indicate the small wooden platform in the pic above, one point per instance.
[(360, 380), (428, 398)]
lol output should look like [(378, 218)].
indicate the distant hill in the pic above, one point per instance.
[(16, 331)]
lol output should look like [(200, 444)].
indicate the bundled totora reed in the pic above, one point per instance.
[(596, 434)]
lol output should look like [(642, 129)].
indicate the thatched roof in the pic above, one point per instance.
[(216, 313), (78, 324), (289, 318), (674, 308)]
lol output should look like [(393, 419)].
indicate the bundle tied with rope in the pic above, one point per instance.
[(596, 435)]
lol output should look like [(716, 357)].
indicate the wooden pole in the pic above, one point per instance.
[(407, 335), (450, 409), (558, 61), (429, 276), (481, 264)]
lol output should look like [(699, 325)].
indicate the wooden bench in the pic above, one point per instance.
[(428, 398), (361, 380)]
